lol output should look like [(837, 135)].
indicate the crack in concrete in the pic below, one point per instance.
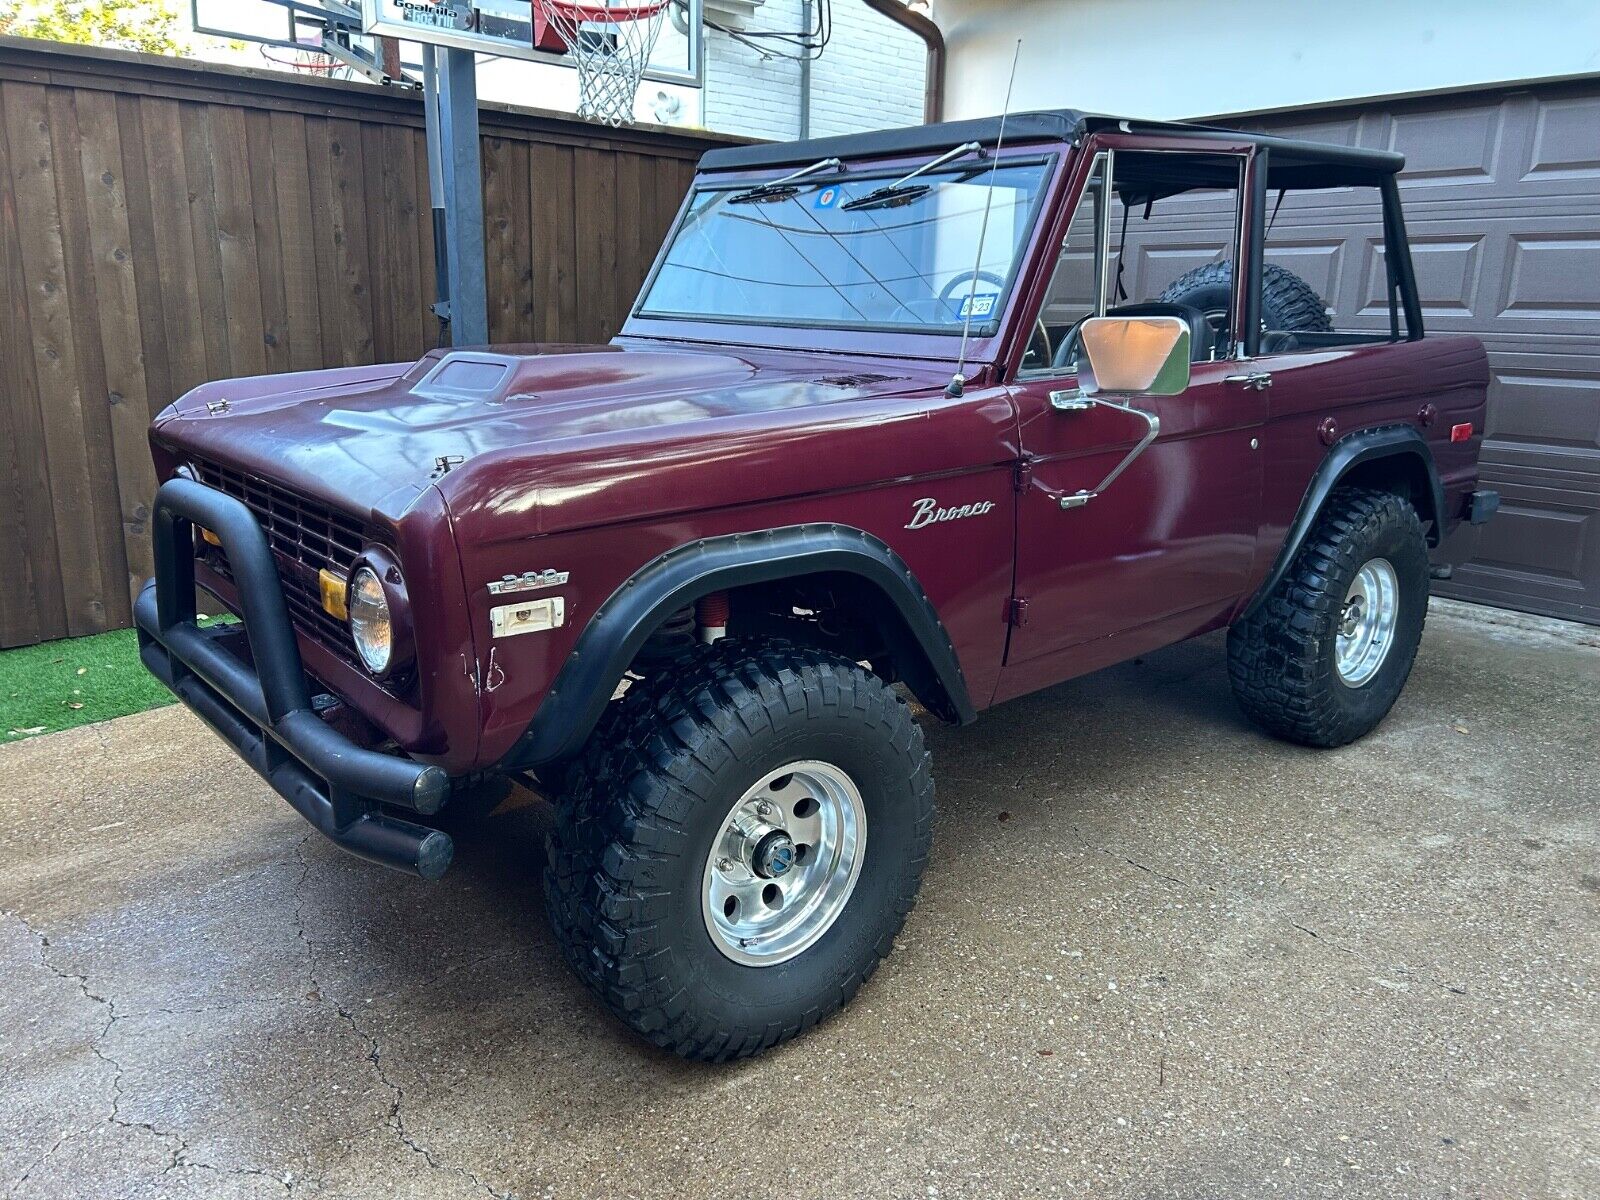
[(96, 1047), (374, 1056), (177, 1146)]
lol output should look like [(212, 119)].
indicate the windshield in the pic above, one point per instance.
[(803, 256)]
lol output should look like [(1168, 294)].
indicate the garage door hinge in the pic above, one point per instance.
[(1016, 611)]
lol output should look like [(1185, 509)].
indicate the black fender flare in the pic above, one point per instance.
[(1349, 452), (608, 644)]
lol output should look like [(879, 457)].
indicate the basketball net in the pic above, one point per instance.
[(308, 61), (610, 44)]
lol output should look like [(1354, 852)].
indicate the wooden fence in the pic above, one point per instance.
[(162, 224)]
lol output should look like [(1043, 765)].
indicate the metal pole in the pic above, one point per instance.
[(806, 10), (462, 173), (441, 237)]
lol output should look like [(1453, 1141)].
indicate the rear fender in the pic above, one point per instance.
[(1353, 456)]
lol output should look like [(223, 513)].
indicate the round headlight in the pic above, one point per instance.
[(371, 628)]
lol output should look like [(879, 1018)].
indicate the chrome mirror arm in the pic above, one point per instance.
[(1073, 400)]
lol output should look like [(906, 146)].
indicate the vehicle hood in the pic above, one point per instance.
[(375, 437)]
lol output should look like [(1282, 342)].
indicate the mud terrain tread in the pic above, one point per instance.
[(619, 820), (1281, 676), (1288, 303)]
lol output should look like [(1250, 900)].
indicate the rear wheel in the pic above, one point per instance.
[(739, 844), (1324, 658)]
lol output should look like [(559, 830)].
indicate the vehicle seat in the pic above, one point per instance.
[(1202, 338)]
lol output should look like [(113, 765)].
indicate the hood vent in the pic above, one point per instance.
[(853, 381)]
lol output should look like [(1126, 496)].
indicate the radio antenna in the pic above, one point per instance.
[(958, 382)]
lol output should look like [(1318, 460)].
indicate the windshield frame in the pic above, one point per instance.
[(792, 330)]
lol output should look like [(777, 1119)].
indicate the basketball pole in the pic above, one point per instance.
[(455, 186)]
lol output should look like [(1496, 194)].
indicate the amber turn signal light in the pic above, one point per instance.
[(207, 536), (333, 593)]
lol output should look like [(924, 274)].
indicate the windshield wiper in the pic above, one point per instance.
[(897, 193), (782, 189)]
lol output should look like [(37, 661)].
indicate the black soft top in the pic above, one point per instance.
[(1292, 164)]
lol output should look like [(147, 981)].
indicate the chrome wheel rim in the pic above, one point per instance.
[(782, 866), (1367, 622)]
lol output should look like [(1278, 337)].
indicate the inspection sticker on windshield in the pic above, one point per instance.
[(979, 305), (828, 197)]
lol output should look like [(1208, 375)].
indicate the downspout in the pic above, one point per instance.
[(924, 28), (806, 10)]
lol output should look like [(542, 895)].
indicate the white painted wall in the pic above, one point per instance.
[(869, 77), (1177, 58)]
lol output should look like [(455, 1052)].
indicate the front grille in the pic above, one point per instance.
[(305, 537)]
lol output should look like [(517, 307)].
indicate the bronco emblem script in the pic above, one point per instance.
[(927, 512)]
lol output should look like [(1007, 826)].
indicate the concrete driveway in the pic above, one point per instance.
[(1156, 955)]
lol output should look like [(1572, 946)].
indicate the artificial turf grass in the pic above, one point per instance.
[(58, 685)]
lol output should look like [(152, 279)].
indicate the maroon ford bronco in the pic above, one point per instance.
[(969, 408)]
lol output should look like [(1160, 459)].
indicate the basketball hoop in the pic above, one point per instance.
[(308, 61), (610, 45)]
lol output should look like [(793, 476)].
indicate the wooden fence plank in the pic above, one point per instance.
[(236, 242), (319, 178), (296, 239), (32, 605), (347, 213), (173, 246), (142, 255), (628, 236), (120, 329), (27, 117), (402, 210), (595, 179), (200, 165), (272, 297), (88, 354), (380, 262), (553, 222)]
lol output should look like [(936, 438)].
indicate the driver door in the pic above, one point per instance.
[(1170, 544)]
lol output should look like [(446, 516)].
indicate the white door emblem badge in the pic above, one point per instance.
[(927, 512)]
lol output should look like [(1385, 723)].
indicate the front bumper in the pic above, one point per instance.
[(252, 690)]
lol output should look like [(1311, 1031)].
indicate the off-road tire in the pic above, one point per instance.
[(642, 803), (1288, 303), (1281, 658)]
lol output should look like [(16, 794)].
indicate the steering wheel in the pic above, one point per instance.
[(1039, 347)]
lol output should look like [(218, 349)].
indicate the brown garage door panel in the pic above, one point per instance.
[(1502, 195), (1539, 552), (1538, 406)]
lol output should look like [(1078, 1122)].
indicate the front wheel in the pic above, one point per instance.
[(1323, 659), (740, 844)]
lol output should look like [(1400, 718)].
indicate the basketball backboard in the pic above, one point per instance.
[(507, 29), (496, 29)]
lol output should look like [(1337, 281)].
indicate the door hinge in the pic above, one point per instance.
[(1016, 611), (1022, 475)]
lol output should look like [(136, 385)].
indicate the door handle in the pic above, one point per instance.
[(1255, 381)]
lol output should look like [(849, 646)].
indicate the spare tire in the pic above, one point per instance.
[(1287, 301)]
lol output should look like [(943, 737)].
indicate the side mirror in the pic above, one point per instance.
[(1140, 356)]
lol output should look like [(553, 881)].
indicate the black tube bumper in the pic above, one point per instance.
[(262, 707)]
